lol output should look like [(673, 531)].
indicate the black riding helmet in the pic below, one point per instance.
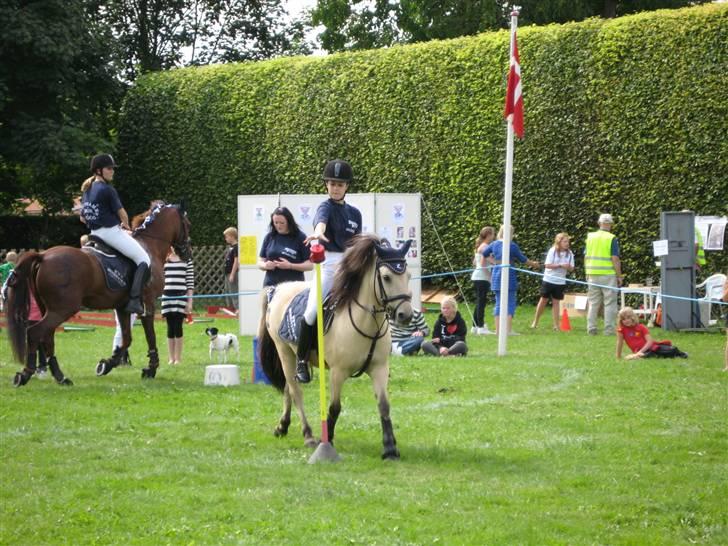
[(339, 171), (102, 161)]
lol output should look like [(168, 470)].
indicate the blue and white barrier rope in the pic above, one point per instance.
[(626, 290)]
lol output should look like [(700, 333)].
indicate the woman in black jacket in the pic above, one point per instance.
[(448, 333)]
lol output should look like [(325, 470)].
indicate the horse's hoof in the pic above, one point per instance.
[(149, 373), (392, 455), (311, 442), (102, 368), (20, 379), (65, 382)]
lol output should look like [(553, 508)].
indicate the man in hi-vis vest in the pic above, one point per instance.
[(604, 273)]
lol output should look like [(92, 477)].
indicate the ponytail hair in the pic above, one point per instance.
[(87, 183), (483, 235)]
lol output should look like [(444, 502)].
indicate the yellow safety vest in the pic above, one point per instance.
[(701, 251), (598, 259)]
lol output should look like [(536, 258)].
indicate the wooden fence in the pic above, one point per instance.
[(209, 262)]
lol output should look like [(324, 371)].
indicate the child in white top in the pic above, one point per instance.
[(559, 261), (481, 278)]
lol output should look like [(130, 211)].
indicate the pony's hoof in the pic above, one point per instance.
[(279, 432), (311, 443), (149, 373), (65, 382), (103, 367), (20, 379), (391, 455)]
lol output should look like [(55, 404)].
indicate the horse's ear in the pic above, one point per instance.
[(405, 248), (387, 253)]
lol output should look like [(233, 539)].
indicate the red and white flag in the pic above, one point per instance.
[(514, 99)]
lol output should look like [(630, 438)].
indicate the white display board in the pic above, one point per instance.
[(387, 215), (397, 218)]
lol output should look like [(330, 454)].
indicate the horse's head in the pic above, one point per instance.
[(393, 280), (167, 223), (181, 244)]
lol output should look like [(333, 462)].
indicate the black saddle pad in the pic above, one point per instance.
[(117, 268), (293, 316)]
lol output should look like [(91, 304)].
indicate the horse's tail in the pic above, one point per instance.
[(19, 286), (268, 355)]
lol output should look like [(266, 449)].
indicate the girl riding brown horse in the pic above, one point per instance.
[(63, 279)]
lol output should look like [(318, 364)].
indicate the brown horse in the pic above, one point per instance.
[(63, 279), (371, 283)]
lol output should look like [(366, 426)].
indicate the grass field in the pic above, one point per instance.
[(556, 443)]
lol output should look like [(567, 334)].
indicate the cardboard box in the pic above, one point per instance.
[(576, 304)]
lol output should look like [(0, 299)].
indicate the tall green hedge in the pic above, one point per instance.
[(626, 116)]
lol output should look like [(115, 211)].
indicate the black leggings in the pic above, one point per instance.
[(481, 297), (174, 324), (665, 351), (42, 361)]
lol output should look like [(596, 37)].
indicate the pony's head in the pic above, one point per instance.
[(391, 278)]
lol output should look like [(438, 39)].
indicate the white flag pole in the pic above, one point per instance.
[(507, 196)]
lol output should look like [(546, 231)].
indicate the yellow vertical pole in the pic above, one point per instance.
[(321, 355)]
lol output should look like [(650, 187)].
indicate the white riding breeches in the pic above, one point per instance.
[(328, 269), (122, 241)]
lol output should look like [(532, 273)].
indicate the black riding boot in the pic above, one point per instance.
[(141, 276), (305, 339)]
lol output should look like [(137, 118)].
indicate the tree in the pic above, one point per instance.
[(353, 24), (57, 97), (160, 34)]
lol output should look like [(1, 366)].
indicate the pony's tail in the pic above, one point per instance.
[(268, 356), (19, 303)]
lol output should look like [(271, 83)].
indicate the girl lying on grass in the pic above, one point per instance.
[(638, 338)]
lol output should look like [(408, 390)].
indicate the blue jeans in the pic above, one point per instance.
[(411, 345)]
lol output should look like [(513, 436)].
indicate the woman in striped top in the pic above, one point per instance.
[(179, 284), (407, 340)]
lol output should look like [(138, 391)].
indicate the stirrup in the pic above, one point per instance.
[(302, 373)]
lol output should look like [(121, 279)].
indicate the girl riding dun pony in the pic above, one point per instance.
[(371, 282)]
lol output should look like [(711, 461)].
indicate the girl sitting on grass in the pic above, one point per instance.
[(638, 338), (448, 333)]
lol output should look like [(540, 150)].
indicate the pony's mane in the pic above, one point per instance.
[(144, 220), (352, 268)]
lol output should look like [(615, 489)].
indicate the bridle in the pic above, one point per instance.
[(398, 267)]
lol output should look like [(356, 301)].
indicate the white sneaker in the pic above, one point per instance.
[(474, 330), (397, 350)]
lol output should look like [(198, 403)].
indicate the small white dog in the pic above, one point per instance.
[(221, 344)]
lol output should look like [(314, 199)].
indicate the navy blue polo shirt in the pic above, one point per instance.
[(286, 246), (100, 206), (342, 222)]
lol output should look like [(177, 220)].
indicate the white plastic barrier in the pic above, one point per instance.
[(223, 375)]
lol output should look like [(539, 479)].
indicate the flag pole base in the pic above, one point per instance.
[(325, 452)]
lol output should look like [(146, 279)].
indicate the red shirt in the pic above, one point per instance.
[(34, 313), (634, 336)]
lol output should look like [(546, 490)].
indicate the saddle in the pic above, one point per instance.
[(118, 269), (290, 325)]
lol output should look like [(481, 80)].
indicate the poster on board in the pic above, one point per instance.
[(712, 228)]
